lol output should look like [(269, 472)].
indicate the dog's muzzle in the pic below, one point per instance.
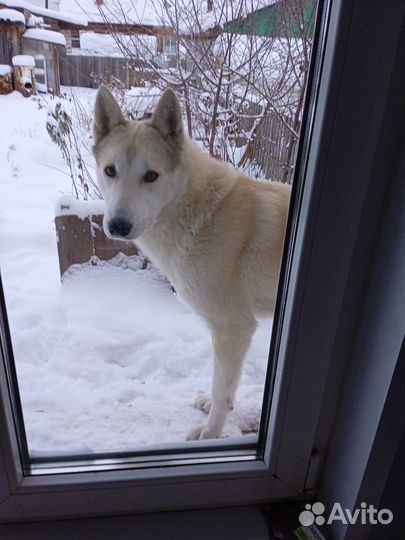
[(119, 227)]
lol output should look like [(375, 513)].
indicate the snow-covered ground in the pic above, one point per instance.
[(109, 359)]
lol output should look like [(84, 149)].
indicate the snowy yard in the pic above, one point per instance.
[(110, 359)]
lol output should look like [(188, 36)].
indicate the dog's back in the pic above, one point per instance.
[(262, 208)]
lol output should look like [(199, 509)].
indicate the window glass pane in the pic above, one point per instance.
[(112, 340)]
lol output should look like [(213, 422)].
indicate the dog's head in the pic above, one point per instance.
[(137, 163)]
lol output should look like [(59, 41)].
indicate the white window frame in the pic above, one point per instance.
[(41, 75), (315, 281)]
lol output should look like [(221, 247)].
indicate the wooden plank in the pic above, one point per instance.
[(79, 240), (74, 238), (105, 248)]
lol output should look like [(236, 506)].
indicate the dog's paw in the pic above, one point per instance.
[(203, 403), (201, 432)]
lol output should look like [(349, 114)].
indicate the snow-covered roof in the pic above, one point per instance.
[(11, 15), (157, 12), (95, 44), (185, 15), (5, 69), (146, 12), (193, 16), (142, 12), (25, 60), (78, 19), (41, 34)]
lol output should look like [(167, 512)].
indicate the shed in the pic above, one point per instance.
[(34, 30), (12, 24), (44, 45)]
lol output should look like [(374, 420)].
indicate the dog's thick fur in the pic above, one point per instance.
[(217, 235)]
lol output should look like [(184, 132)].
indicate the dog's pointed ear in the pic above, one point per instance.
[(167, 117), (107, 114)]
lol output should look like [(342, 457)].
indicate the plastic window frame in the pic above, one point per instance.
[(303, 343)]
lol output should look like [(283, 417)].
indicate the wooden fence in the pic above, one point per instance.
[(77, 70), (275, 148)]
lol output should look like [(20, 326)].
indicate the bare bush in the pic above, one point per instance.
[(230, 80), (69, 124)]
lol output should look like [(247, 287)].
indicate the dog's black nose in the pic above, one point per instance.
[(119, 227)]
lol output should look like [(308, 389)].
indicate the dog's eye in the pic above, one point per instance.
[(110, 171), (150, 176)]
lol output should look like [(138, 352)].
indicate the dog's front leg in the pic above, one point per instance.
[(230, 344)]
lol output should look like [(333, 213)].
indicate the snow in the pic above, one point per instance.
[(116, 11), (35, 22), (11, 15), (41, 34), (67, 206), (160, 12), (95, 44), (44, 12), (25, 60), (5, 69), (42, 87), (195, 17), (145, 12), (110, 359)]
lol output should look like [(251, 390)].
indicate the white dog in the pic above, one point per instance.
[(217, 235)]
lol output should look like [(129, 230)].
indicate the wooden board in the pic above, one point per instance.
[(79, 240)]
